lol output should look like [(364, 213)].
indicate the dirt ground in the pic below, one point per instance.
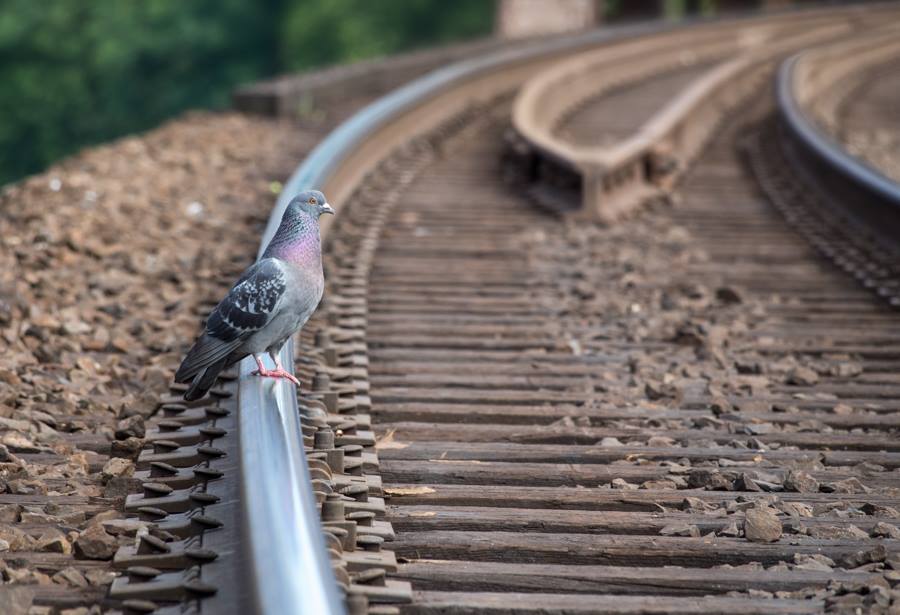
[(105, 260)]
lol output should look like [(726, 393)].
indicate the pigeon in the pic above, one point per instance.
[(271, 301)]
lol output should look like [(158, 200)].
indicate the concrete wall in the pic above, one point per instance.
[(524, 18)]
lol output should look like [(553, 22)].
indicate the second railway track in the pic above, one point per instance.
[(537, 456), (690, 412)]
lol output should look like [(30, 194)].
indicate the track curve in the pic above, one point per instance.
[(504, 410)]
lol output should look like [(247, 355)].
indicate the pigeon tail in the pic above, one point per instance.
[(204, 381), (207, 351)]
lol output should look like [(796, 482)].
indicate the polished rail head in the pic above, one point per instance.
[(291, 571), (823, 147)]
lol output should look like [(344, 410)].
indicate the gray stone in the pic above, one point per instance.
[(761, 525), (53, 541), (802, 376), (680, 529), (801, 482), (96, 543), (9, 513), (71, 577), (131, 427)]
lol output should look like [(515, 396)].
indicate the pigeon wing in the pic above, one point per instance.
[(250, 305)]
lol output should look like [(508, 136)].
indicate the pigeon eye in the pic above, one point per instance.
[(312, 200)]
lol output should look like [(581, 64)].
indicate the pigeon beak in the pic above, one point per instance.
[(327, 209)]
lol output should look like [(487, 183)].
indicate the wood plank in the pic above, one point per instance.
[(515, 414), (543, 434), (450, 575), (486, 603), (487, 519), (474, 472), (595, 549), (648, 500), (571, 453), (38, 499), (49, 562)]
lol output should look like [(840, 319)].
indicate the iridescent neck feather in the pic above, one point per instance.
[(296, 240)]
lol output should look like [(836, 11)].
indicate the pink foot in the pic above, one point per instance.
[(280, 373), (275, 373)]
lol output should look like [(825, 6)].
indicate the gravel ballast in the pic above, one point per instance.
[(105, 260)]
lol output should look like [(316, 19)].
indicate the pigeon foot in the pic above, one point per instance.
[(275, 373), (280, 373)]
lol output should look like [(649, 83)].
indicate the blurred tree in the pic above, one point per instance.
[(315, 32), (81, 72), (76, 72)]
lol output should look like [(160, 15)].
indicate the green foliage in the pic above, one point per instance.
[(315, 32), (76, 72), (674, 9)]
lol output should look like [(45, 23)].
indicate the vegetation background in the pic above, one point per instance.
[(78, 72)]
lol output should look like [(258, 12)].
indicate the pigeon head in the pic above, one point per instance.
[(308, 203), (297, 237)]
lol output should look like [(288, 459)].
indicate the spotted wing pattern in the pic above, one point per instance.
[(250, 305)]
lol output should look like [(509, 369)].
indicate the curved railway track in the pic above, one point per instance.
[(503, 410), (516, 485), (873, 103)]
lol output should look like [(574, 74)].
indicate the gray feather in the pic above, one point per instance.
[(269, 303), (204, 380), (206, 351)]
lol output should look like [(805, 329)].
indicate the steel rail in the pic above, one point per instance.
[(833, 164), (341, 142), (290, 571), (605, 181), (289, 568), (327, 156), (864, 196)]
